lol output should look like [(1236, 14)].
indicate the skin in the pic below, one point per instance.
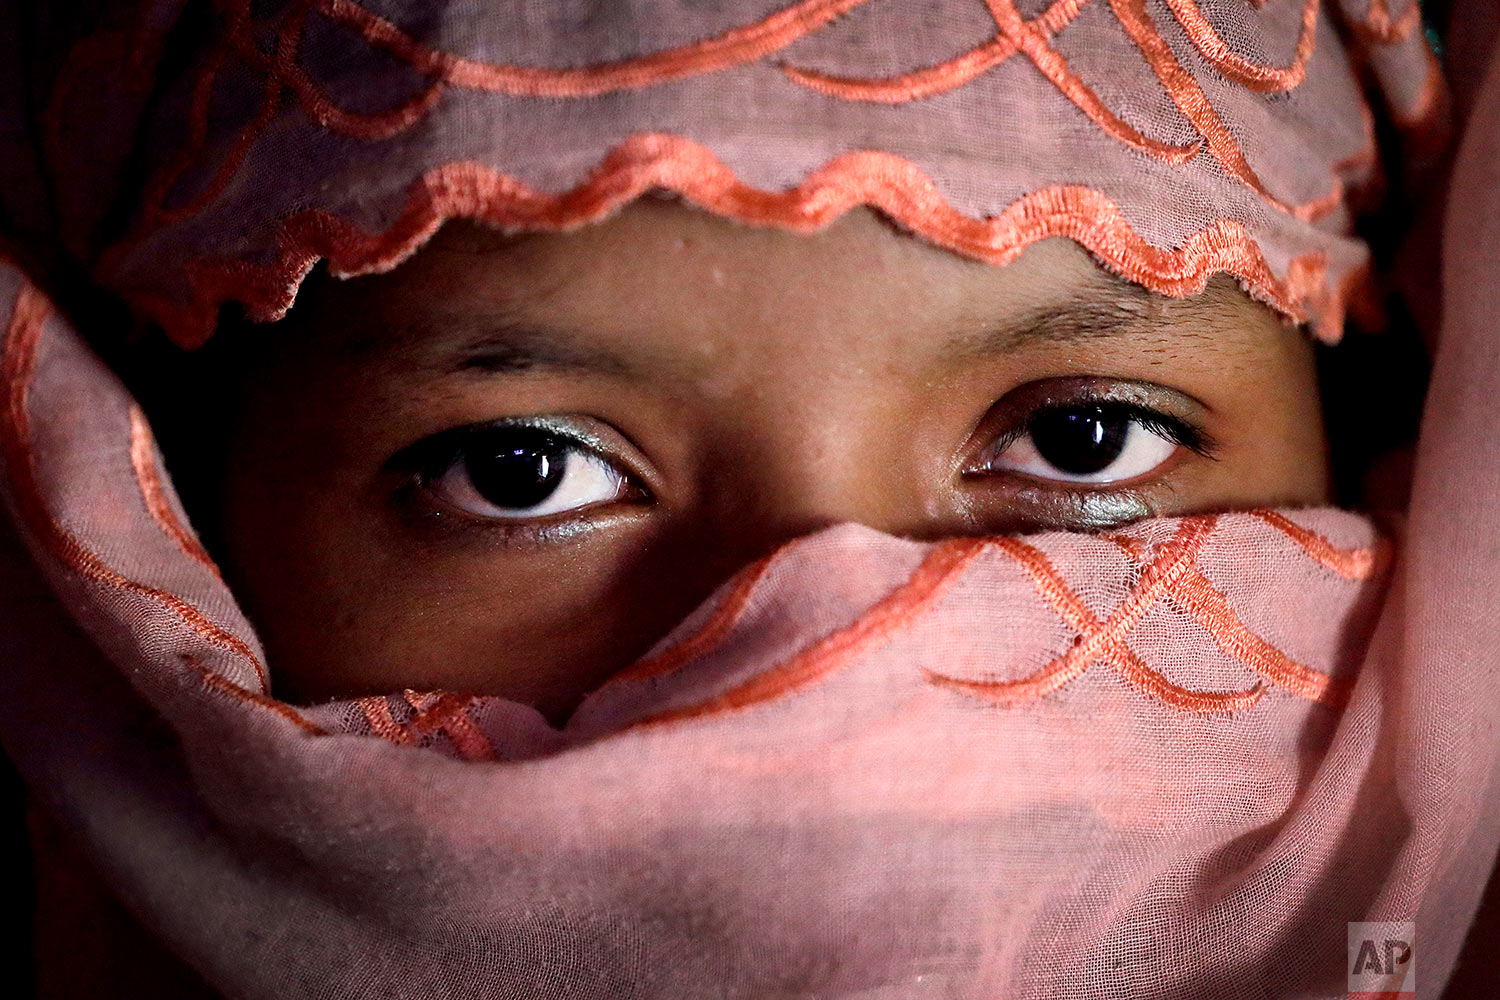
[(753, 384)]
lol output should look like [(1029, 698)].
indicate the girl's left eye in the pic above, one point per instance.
[(520, 473), (1088, 443)]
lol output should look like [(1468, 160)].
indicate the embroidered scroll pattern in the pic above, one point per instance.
[(1170, 573), (890, 183), (737, 47), (242, 41)]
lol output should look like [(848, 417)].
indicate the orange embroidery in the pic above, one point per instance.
[(733, 48), (1236, 67), (377, 712), (945, 76), (1170, 574), (741, 45), (1182, 583), (1190, 99), (283, 69), (1047, 59), (154, 215), (143, 460), (448, 713), (887, 182), (228, 687), (1133, 548), (1351, 564), (1106, 640), (828, 655), (18, 363), (736, 47), (1207, 603), (719, 625), (439, 712)]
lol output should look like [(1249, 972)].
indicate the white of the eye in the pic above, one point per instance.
[(587, 479), (1142, 451)]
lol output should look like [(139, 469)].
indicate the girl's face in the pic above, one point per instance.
[(510, 465)]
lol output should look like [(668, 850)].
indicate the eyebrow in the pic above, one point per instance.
[(505, 345), (515, 345), (1100, 311), (518, 348)]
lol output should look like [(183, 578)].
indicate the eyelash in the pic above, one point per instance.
[(1172, 428), (424, 464)]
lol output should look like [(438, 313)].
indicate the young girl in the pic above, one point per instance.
[(798, 499), (510, 466)]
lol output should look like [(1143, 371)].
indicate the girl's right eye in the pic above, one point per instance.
[(519, 473), (1089, 443)]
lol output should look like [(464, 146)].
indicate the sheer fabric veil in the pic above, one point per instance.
[(1176, 760)]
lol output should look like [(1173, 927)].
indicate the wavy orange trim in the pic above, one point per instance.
[(1054, 67), (832, 653), (1264, 79), (733, 48), (282, 71), (1190, 99), (17, 364), (890, 183), (933, 80), (144, 461)]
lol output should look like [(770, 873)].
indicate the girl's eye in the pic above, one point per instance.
[(1088, 443), (519, 473)]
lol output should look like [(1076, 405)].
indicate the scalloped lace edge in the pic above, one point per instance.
[(653, 161)]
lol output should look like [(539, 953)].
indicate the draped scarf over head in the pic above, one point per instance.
[(1172, 760)]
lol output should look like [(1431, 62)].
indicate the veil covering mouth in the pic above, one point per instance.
[(1173, 760)]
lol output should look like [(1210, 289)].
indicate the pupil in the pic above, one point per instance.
[(1080, 439), (517, 468)]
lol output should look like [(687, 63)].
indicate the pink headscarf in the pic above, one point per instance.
[(1175, 760)]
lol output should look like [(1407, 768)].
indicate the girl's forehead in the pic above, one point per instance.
[(653, 253), (654, 264), (664, 291)]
